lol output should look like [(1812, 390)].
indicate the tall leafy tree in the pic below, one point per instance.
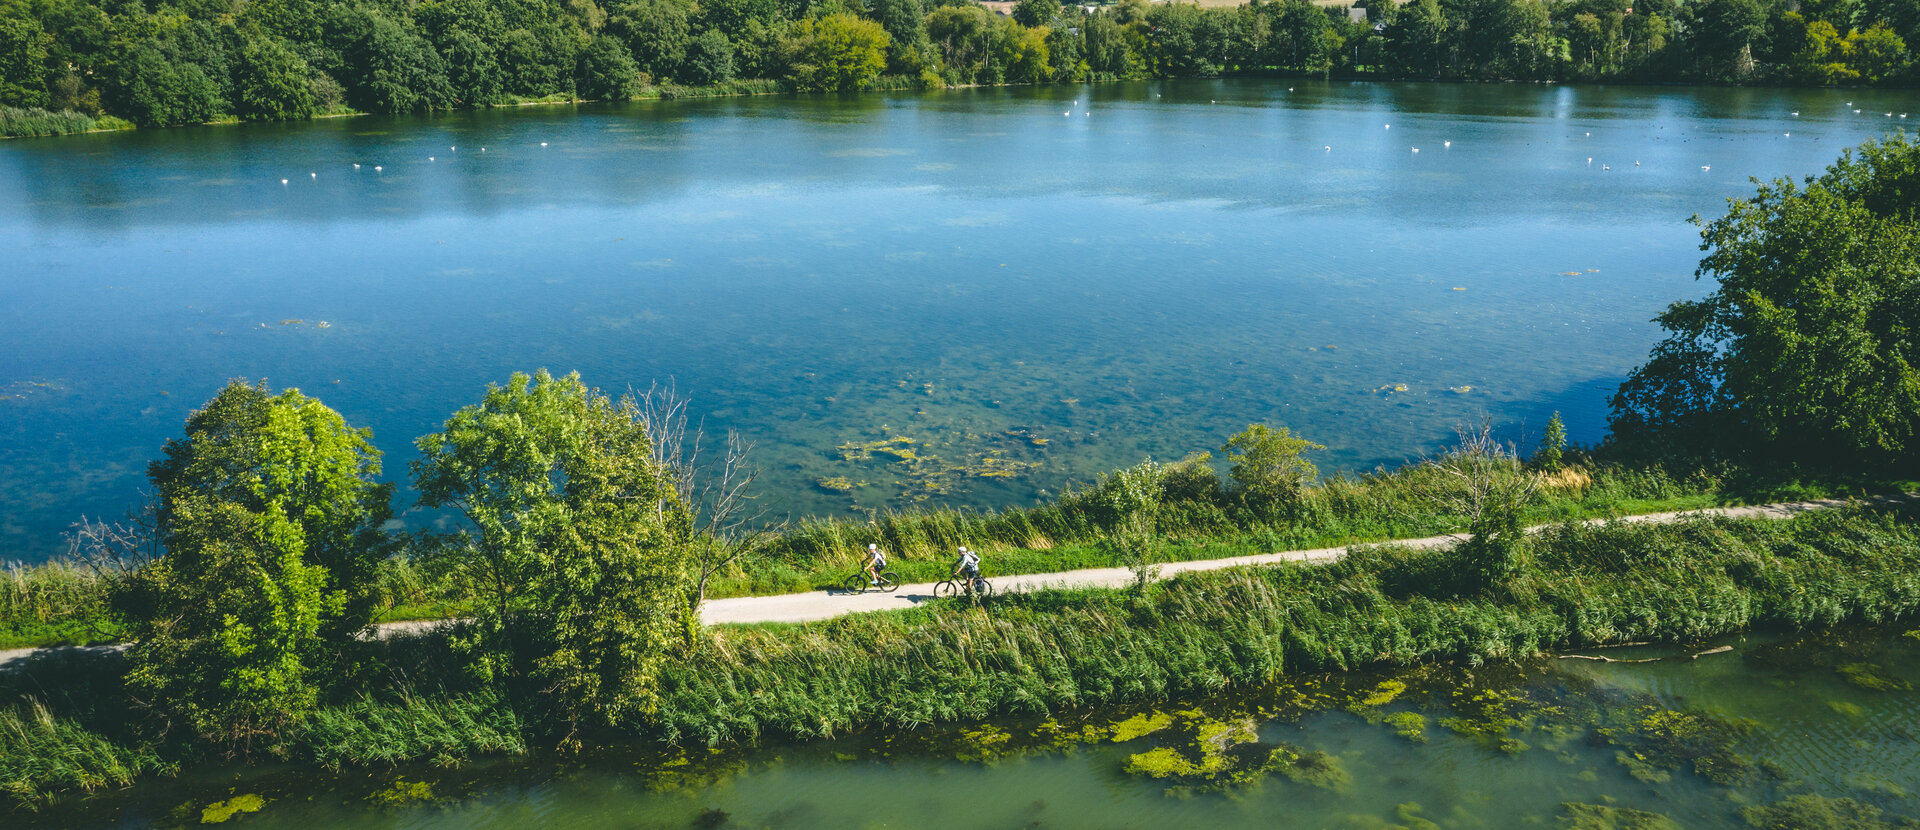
[(270, 517), (1809, 349), (580, 537), (606, 72), (154, 90), (23, 61), (837, 53), (271, 84)]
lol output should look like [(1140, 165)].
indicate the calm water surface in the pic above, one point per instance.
[(1043, 282), (1830, 716)]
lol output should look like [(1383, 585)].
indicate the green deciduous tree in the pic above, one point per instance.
[(154, 91), (579, 537), (709, 59), (23, 61), (386, 67), (837, 53), (657, 32), (271, 84), (1808, 349), (1031, 13), (606, 72), (270, 518), (1269, 465)]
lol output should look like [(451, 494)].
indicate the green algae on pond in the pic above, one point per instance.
[(1741, 739)]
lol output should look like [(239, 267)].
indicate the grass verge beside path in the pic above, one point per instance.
[(1050, 652)]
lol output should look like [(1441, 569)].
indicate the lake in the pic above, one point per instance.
[(1034, 285), (1538, 743)]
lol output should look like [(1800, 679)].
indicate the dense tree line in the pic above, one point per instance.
[(190, 61)]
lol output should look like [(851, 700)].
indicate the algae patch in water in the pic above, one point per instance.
[(403, 793), (220, 811), (1871, 676), (1812, 812), (1578, 816), (1662, 740)]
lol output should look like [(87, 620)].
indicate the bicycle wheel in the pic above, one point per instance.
[(889, 581), (857, 584), (945, 589)]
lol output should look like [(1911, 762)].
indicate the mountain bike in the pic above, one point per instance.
[(860, 584), (977, 587)]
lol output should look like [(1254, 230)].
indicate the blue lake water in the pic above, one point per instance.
[(1045, 282)]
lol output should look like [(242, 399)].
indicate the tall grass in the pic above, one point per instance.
[(1202, 633), (444, 730), (56, 603), (41, 755), (34, 121)]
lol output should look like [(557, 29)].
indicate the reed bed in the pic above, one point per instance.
[(41, 754)]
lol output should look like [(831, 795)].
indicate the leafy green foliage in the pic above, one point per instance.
[(606, 73), (1269, 465), (1553, 445), (270, 519), (838, 53), (1808, 349), (579, 542), (271, 83)]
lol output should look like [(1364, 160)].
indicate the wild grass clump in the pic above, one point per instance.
[(444, 730), (42, 755), (54, 603), (1202, 633), (19, 122)]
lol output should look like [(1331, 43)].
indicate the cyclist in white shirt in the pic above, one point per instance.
[(875, 561), (969, 565)]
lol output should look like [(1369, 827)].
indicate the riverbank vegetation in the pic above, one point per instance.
[(249, 586), (294, 59)]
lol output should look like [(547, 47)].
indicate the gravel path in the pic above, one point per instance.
[(820, 605)]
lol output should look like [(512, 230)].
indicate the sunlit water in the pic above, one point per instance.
[(1813, 731), (1043, 282)]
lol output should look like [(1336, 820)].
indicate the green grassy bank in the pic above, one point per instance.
[(62, 603), (1050, 652)]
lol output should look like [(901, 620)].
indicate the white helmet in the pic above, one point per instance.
[(963, 548), (873, 547)]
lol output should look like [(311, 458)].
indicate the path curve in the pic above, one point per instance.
[(820, 605)]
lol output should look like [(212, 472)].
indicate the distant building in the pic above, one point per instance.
[(1355, 14)]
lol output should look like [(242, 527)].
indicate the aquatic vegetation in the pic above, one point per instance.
[(694, 770), (403, 793), (1871, 676), (836, 484), (982, 745), (1577, 816), (1813, 812), (1141, 725), (898, 447), (1314, 769), (1409, 725), (1660, 740), (220, 811)]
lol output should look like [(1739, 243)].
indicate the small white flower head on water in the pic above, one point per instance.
[(1416, 149), (1446, 144), (283, 181), (377, 168), (543, 144)]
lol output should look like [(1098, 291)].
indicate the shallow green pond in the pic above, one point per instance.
[(1033, 285), (1704, 741)]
